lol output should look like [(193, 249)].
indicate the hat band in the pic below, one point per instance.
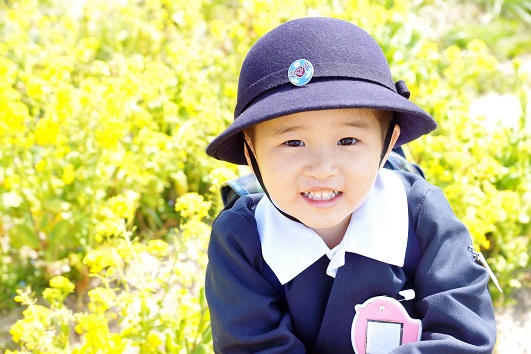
[(321, 70)]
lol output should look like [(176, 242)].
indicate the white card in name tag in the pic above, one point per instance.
[(382, 324)]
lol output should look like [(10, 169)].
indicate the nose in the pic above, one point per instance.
[(321, 164)]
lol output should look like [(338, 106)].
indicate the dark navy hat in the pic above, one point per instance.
[(316, 63)]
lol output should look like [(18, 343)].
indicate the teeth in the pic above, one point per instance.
[(321, 195)]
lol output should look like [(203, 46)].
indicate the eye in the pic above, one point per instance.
[(294, 143), (347, 141)]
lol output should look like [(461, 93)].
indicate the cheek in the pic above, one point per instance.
[(274, 171), (277, 178)]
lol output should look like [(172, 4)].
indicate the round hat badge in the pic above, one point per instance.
[(300, 72)]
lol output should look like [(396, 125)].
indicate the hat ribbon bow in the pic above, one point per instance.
[(402, 90)]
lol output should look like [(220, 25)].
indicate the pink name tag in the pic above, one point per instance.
[(382, 324)]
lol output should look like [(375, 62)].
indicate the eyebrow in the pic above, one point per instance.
[(360, 124), (288, 129), (357, 123)]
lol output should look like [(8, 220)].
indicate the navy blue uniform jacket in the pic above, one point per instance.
[(452, 298)]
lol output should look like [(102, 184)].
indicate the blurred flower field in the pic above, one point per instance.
[(107, 196)]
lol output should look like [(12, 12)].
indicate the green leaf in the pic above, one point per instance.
[(23, 235), (60, 239)]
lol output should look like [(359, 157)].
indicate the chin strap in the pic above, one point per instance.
[(256, 170), (388, 137), (402, 90)]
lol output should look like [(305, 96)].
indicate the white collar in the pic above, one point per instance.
[(378, 229)]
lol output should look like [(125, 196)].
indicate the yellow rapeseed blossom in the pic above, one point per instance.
[(112, 130), (429, 51), (69, 175), (122, 206), (33, 327), (62, 283), (46, 131), (108, 228), (477, 45), (487, 62), (41, 166), (58, 69), (114, 214), (453, 53), (101, 299), (98, 260), (86, 48), (94, 328), (13, 116), (158, 248), (159, 73), (11, 182), (153, 340), (220, 175), (25, 297), (194, 229), (8, 71), (192, 205)]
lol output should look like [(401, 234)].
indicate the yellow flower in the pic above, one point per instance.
[(86, 49), (487, 62), (13, 116), (37, 313), (8, 71), (69, 175), (97, 260), (453, 53), (124, 206), (159, 73), (62, 283), (220, 175), (25, 297), (194, 229), (111, 131), (108, 228), (41, 166), (94, 328), (101, 299), (53, 296), (153, 340), (218, 28), (100, 68), (477, 45), (46, 131), (58, 68), (158, 248), (192, 205), (11, 182), (429, 51)]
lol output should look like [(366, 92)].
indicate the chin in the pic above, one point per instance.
[(321, 225)]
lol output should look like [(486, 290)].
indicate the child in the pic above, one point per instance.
[(316, 117)]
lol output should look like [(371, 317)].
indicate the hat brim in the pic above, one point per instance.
[(320, 94)]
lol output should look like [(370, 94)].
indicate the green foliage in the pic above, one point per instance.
[(148, 291), (520, 9), (107, 107), (112, 100)]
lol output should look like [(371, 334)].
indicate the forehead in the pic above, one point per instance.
[(360, 118)]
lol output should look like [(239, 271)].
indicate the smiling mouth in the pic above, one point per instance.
[(325, 195)]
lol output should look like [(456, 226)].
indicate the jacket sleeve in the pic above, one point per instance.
[(452, 297), (245, 315)]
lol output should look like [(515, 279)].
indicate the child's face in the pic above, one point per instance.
[(319, 166)]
